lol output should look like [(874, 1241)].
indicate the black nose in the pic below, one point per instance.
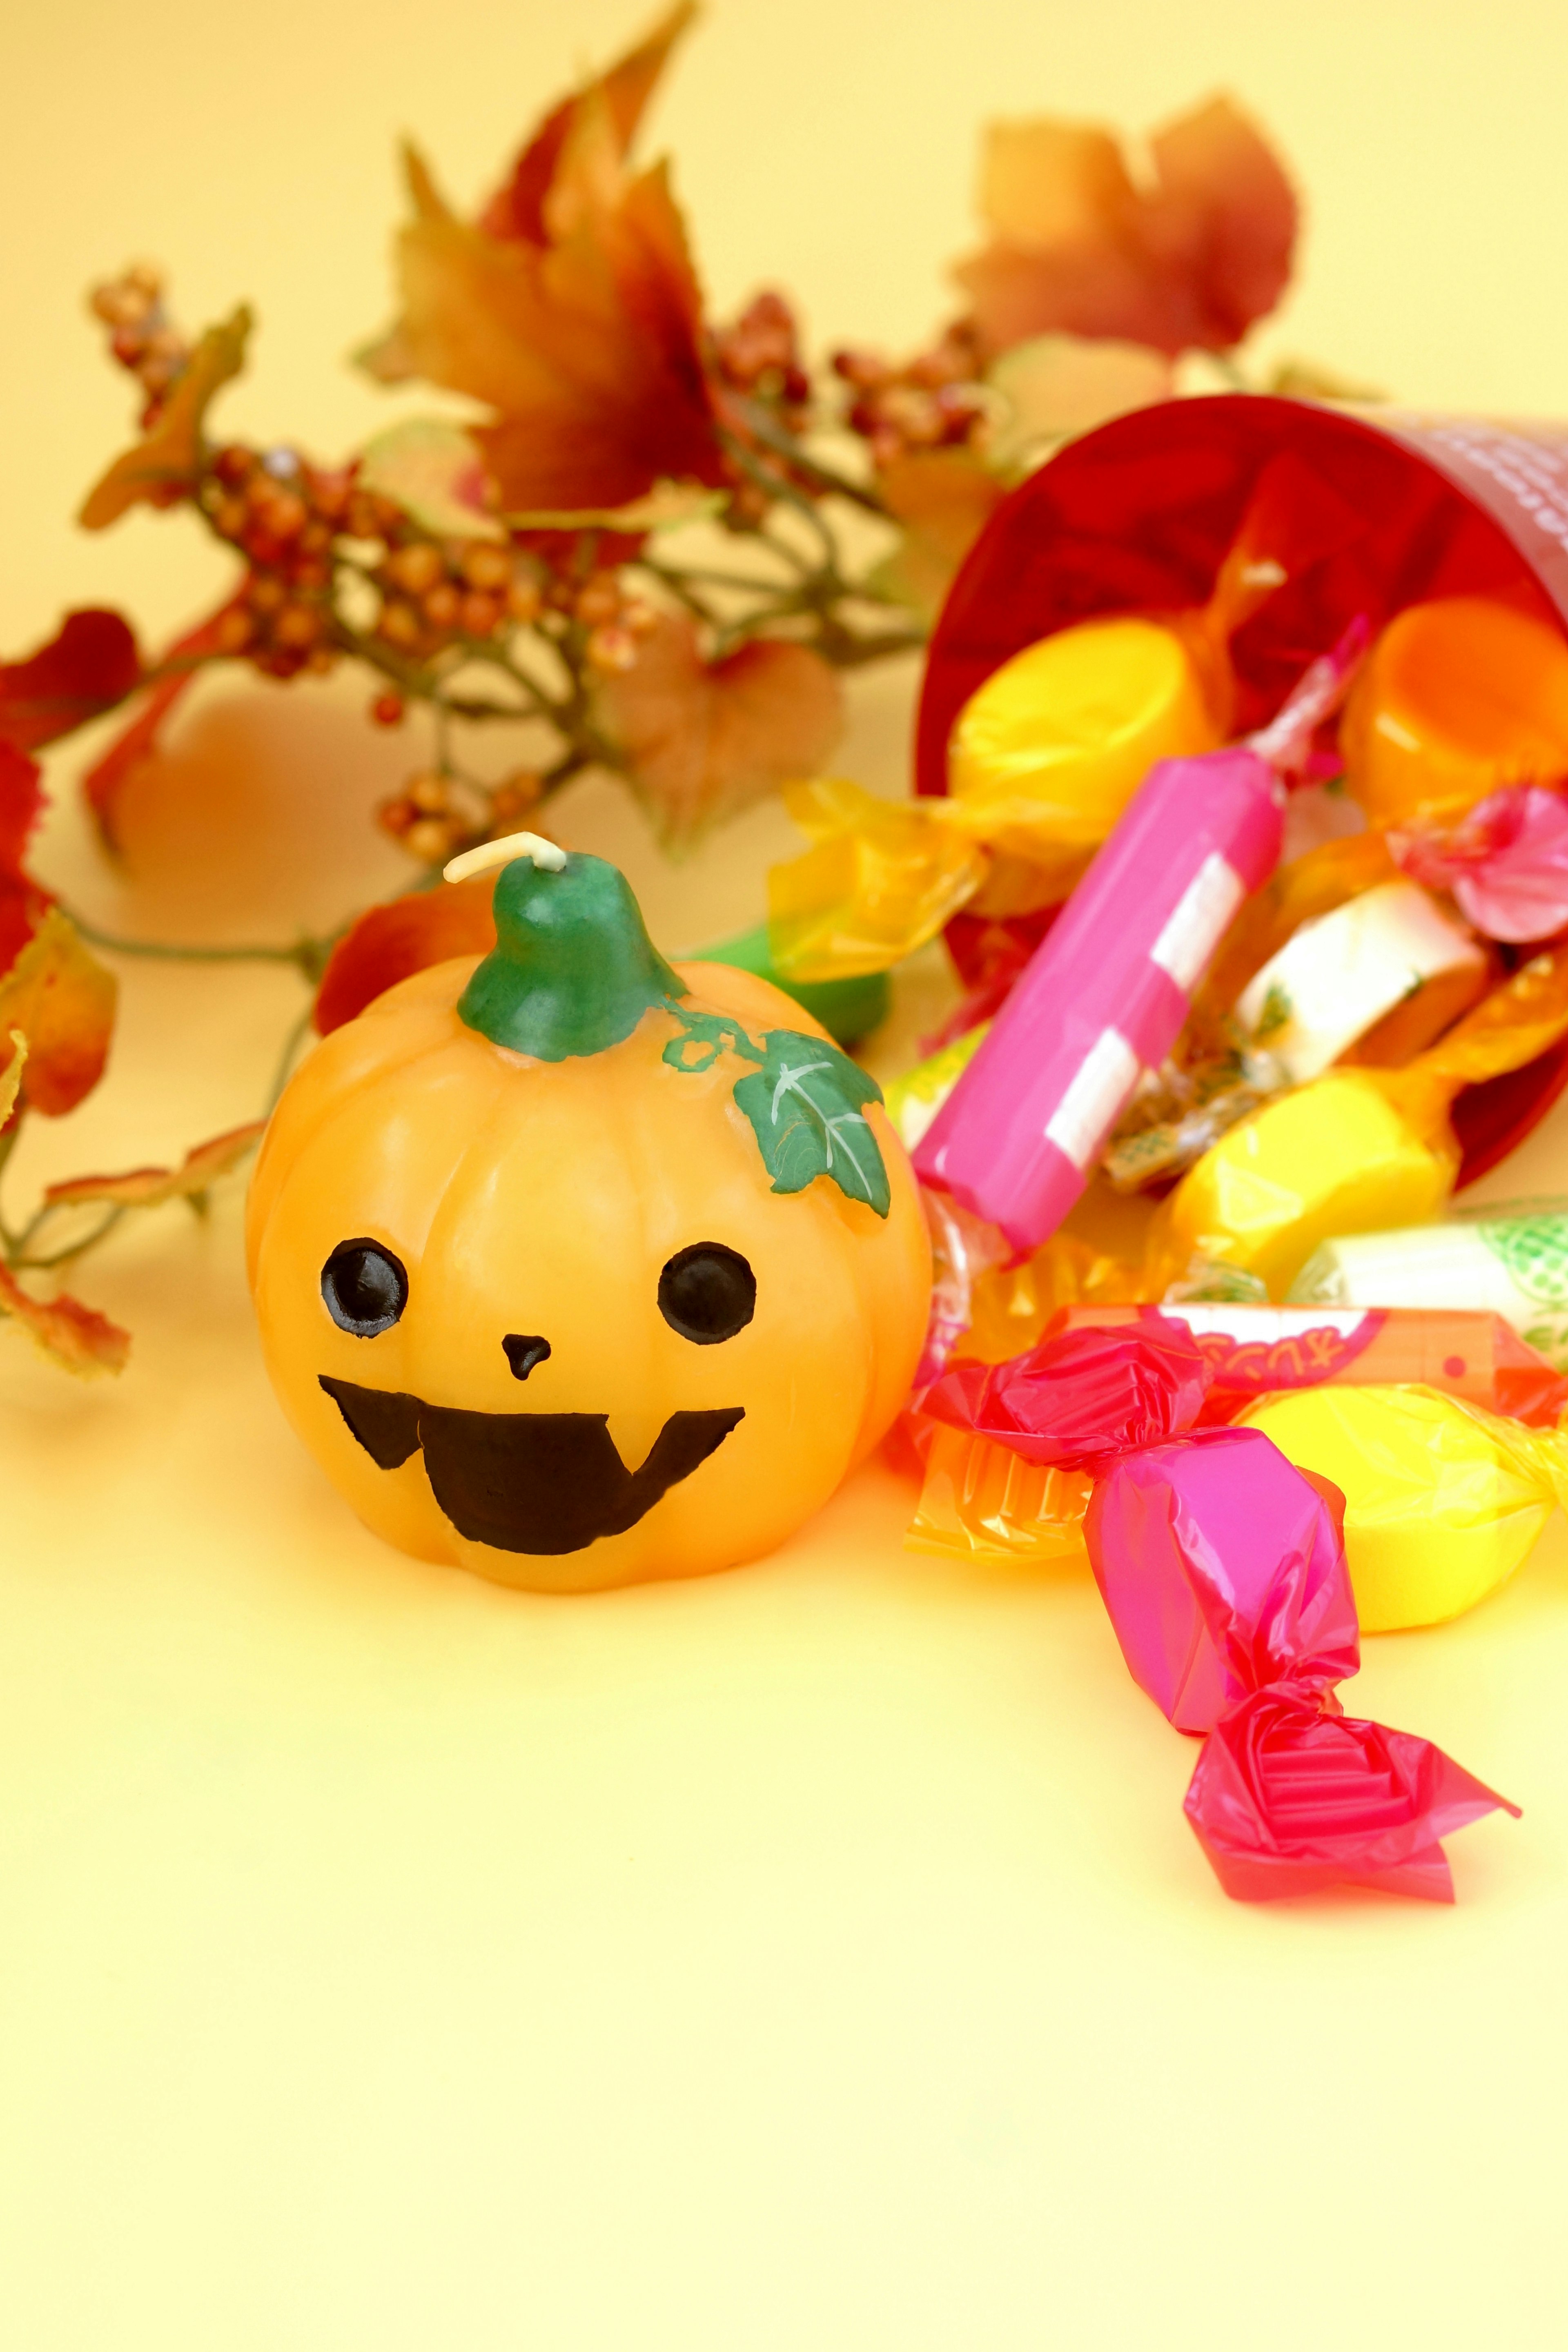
[(524, 1349)]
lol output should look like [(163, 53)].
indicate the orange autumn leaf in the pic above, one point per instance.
[(163, 465), (517, 208), (88, 665), (77, 1338), (581, 328), (1189, 260), (701, 739), (11, 1076), (62, 999), (943, 498), (391, 942), (149, 1188)]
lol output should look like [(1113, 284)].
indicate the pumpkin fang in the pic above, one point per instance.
[(528, 1482)]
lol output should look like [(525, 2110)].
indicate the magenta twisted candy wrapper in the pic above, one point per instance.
[(1080, 1398), (1223, 1570)]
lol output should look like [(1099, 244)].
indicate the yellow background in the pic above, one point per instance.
[(816, 1956)]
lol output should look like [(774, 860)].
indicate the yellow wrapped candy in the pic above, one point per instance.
[(1443, 1500), (1338, 1156), (881, 880), (1459, 697), (1047, 753)]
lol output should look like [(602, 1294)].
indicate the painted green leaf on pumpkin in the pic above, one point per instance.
[(804, 1103)]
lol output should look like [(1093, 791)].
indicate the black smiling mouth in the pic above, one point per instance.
[(528, 1482)]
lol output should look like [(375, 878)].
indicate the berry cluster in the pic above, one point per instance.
[(433, 595), (608, 618), (933, 402), (435, 815), (283, 516), (141, 337), (758, 354)]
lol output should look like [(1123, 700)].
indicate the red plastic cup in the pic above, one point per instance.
[(1138, 515)]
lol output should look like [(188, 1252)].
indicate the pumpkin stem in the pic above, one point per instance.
[(573, 970)]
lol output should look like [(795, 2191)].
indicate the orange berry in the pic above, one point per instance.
[(523, 601), (513, 797), (230, 517), (297, 627), (441, 605), (430, 793), (430, 840), (234, 631), (486, 566), (283, 513), (394, 817), (388, 710), (478, 614), (234, 465), (265, 593), (416, 568)]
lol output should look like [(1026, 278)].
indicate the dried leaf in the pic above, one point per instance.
[(1189, 261), (149, 1188), (431, 469), (165, 464), (701, 739), (90, 665), (62, 999), (587, 345), (1055, 385), (22, 903), (11, 1076), (77, 1338), (517, 208), (389, 942), (180, 665), (943, 498)]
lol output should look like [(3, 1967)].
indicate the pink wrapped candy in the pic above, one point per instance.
[(1223, 1569)]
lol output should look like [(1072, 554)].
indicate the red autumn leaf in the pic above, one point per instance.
[(703, 739), (77, 1338), (579, 328), (517, 208), (22, 903), (943, 498), (1190, 260), (62, 1000), (389, 942), (149, 1188), (89, 665), (163, 467), (138, 740)]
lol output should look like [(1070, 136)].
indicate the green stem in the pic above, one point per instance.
[(774, 437), (25, 1262), (302, 955)]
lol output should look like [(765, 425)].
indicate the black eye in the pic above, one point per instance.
[(365, 1288), (707, 1293)]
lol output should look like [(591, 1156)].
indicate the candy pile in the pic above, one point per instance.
[(1188, 1146)]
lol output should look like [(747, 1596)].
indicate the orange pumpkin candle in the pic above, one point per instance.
[(573, 1267)]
